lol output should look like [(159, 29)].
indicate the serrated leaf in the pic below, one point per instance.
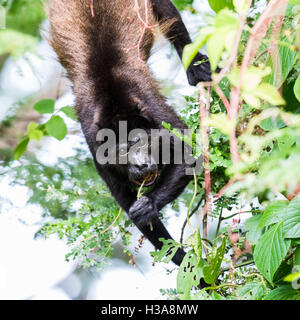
[(251, 291), (45, 106), (284, 292), (21, 148), (252, 227), (274, 213), (56, 127), (270, 251), (291, 224)]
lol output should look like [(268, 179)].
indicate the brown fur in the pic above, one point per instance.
[(101, 56), (105, 57), (82, 41)]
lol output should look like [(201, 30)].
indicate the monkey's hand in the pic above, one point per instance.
[(143, 211), (199, 70)]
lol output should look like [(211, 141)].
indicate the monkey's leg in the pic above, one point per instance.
[(164, 10)]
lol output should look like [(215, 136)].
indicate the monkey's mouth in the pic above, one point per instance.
[(147, 179)]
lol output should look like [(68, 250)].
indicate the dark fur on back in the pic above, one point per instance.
[(100, 54), (105, 57)]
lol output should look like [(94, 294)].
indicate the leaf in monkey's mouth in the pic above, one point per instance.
[(147, 179)]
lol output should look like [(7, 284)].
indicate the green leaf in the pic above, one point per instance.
[(218, 5), (292, 277), (36, 135), (194, 241), (270, 251), (282, 65), (267, 92), (251, 291), (297, 256), (226, 25), (16, 43), (221, 122), (215, 48), (296, 2), (251, 100), (216, 296), (270, 124), (189, 274), (292, 220), (284, 292), (274, 213), (45, 106), (32, 126), (167, 252), (212, 270), (191, 50), (297, 88), (240, 6), (285, 143), (34, 131), (182, 4), (252, 77), (69, 112), (56, 128), (21, 148), (252, 227)]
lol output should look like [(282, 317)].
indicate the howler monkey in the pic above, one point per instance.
[(104, 46)]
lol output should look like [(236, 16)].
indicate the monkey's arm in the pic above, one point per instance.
[(171, 184), (164, 10), (141, 212), (117, 186)]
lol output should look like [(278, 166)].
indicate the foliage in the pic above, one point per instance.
[(183, 4), (259, 130), (23, 20), (54, 127), (250, 123)]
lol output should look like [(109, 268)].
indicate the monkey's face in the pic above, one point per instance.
[(140, 165)]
